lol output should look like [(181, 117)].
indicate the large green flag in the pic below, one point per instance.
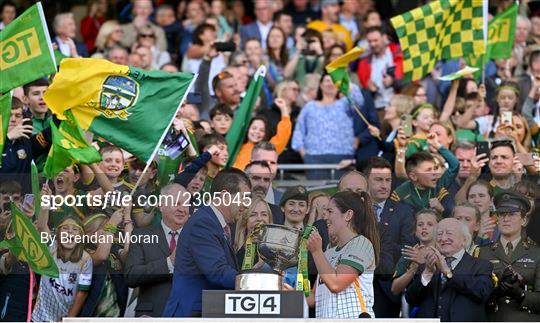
[(235, 136), (26, 244), (5, 114), (501, 33), (26, 52), (129, 107), (69, 147)]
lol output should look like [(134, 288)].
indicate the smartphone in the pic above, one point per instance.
[(506, 117), (406, 124), (176, 144), (391, 71), (28, 201), (482, 147), (225, 46), (525, 159)]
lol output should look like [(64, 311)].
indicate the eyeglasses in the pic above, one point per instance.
[(147, 35)]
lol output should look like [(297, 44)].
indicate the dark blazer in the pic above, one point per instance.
[(248, 31), (204, 261), (146, 268), (277, 215), (467, 292), (396, 229)]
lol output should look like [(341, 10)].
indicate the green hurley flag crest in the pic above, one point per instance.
[(26, 244), (235, 136), (26, 52), (129, 107), (69, 147)]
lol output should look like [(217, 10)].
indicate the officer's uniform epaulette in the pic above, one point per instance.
[(442, 194), (529, 242)]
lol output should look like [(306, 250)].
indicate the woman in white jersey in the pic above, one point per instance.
[(64, 296), (344, 287)]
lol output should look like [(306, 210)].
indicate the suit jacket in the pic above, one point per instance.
[(248, 31), (467, 292), (277, 215), (146, 268), (205, 260), (396, 229)]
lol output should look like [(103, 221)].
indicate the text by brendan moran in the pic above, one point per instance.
[(97, 238)]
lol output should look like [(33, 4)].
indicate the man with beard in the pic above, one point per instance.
[(260, 175), (396, 230)]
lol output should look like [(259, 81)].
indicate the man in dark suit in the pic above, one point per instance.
[(453, 286), (150, 266), (205, 258), (261, 26), (396, 229), (261, 181)]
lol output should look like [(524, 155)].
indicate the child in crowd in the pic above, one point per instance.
[(219, 158), (258, 130), (423, 117), (65, 296), (415, 256), (221, 117), (425, 188)]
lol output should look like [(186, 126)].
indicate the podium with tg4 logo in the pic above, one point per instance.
[(252, 304)]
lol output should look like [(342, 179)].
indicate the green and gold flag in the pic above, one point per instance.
[(26, 245), (26, 52), (442, 29), (339, 69), (69, 147), (129, 107), (500, 42)]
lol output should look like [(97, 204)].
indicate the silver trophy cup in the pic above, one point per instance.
[(278, 247)]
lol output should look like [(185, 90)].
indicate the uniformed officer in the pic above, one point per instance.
[(516, 261)]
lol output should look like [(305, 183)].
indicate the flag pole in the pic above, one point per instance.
[(485, 14), (149, 161), (360, 114), (30, 295)]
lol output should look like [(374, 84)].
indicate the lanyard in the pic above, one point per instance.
[(424, 205)]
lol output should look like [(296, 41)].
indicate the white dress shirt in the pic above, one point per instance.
[(166, 229)]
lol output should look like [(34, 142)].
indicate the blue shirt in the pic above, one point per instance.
[(327, 129)]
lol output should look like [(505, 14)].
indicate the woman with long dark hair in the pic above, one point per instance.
[(344, 287)]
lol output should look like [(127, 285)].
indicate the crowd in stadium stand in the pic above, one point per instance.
[(429, 207)]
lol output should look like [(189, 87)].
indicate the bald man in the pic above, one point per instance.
[(453, 286)]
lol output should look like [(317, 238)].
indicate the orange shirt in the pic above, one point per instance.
[(280, 140)]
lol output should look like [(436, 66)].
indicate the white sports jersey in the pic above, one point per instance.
[(56, 295), (349, 303)]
